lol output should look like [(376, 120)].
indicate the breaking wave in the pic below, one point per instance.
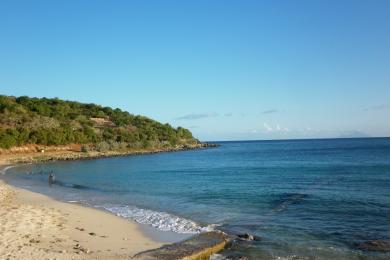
[(160, 220), (5, 169)]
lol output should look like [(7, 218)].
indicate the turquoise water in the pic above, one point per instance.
[(307, 199)]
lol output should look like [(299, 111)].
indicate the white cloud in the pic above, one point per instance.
[(277, 127), (267, 127)]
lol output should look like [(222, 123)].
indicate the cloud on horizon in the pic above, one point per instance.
[(267, 127), (196, 116), (277, 128)]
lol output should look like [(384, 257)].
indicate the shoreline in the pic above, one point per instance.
[(35, 226), (153, 233), (82, 234), (12, 158)]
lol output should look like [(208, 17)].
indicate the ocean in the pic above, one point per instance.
[(306, 199)]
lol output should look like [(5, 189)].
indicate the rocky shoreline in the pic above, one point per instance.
[(69, 155), (198, 247)]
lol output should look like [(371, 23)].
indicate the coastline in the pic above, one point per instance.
[(34, 226), (67, 153)]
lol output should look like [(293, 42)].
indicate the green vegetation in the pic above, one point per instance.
[(44, 121)]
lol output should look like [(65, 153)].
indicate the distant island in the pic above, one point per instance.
[(38, 124)]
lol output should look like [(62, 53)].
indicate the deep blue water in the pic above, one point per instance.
[(307, 199)]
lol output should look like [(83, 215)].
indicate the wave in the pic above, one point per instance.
[(160, 220), (5, 169)]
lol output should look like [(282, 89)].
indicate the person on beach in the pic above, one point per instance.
[(51, 178)]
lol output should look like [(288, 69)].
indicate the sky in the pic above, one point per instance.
[(227, 70)]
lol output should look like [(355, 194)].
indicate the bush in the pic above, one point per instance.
[(46, 121), (84, 149)]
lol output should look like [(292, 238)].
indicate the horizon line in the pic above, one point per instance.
[(297, 139)]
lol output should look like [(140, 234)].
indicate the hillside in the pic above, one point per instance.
[(54, 122)]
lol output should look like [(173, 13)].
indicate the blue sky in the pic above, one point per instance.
[(227, 70)]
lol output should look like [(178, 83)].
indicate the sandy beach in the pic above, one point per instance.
[(34, 226)]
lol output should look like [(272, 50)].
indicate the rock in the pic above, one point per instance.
[(239, 257), (374, 245), (92, 234), (245, 236), (249, 237), (200, 246), (257, 238)]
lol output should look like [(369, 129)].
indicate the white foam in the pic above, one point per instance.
[(217, 257), (160, 220), (5, 169)]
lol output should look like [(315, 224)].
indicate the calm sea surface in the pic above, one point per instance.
[(307, 199)]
